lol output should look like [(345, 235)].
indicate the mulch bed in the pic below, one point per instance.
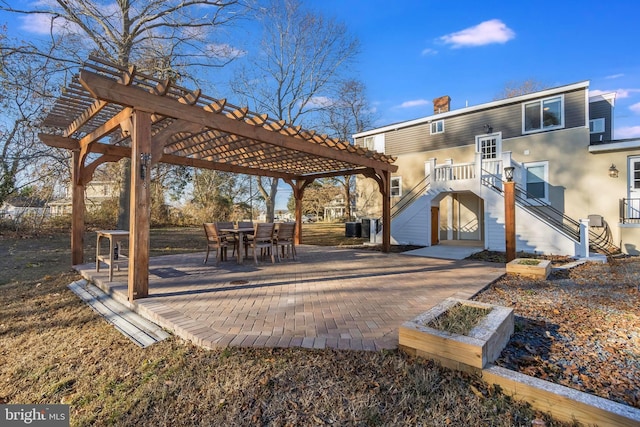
[(579, 328)]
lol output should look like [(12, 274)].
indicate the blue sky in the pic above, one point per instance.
[(415, 51)]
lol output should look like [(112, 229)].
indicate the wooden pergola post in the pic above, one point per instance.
[(140, 211), (383, 178), (385, 189), (77, 210), (298, 193)]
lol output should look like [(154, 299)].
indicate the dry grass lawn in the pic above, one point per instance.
[(54, 349)]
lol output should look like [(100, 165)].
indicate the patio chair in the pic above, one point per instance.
[(263, 240), (229, 237), (215, 241), (286, 239), (247, 237)]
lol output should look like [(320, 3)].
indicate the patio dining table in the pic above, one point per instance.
[(240, 234)]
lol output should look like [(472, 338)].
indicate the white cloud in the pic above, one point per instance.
[(628, 132), (224, 51), (429, 52), (614, 76), (320, 102), (635, 108), (414, 103), (487, 32), (623, 93), (620, 93), (42, 24)]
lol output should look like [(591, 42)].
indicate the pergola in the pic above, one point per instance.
[(110, 112)]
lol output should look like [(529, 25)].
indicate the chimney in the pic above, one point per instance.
[(441, 105)]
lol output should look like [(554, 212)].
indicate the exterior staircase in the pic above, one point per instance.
[(539, 226)]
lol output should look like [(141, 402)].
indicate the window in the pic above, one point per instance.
[(396, 186), (537, 177), (596, 126), (374, 142), (545, 114), (437, 127), (369, 142), (489, 145)]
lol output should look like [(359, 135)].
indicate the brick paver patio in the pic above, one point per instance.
[(328, 297)]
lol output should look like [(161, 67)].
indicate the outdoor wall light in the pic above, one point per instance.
[(488, 128), (613, 171), (508, 173)]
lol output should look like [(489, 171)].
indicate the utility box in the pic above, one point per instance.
[(596, 221), (352, 229), (370, 228)]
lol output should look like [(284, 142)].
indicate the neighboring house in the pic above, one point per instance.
[(96, 193), (567, 168), (336, 209), (17, 208)]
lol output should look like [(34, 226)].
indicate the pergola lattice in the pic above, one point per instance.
[(109, 112)]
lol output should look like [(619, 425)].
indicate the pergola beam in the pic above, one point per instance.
[(111, 91), (114, 150)]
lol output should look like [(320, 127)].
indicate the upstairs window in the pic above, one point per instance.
[(545, 114), (396, 186), (374, 143), (596, 126), (369, 142), (437, 127)]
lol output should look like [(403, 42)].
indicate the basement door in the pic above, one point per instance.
[(634, 188)]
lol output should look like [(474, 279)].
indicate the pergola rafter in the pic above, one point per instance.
[(117, 112)]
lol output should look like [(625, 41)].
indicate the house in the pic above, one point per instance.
[(19, 208), (96, 193), (336, 209), (573, 180)]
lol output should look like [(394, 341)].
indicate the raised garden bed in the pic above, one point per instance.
[(469, 352), (529, 267)]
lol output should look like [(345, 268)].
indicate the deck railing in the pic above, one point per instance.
[(410, 196), (630, 211), (538, 208), (454, 172)]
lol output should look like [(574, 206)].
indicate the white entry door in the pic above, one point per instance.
[(634, 188)]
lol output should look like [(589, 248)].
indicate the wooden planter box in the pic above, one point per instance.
[(519, 266), (471, 352)]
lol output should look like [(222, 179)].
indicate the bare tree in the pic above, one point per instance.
[(25, 93), (515, 88), (168, 38), (316, 197), (348, 113), (221, 196), (300, 56)]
